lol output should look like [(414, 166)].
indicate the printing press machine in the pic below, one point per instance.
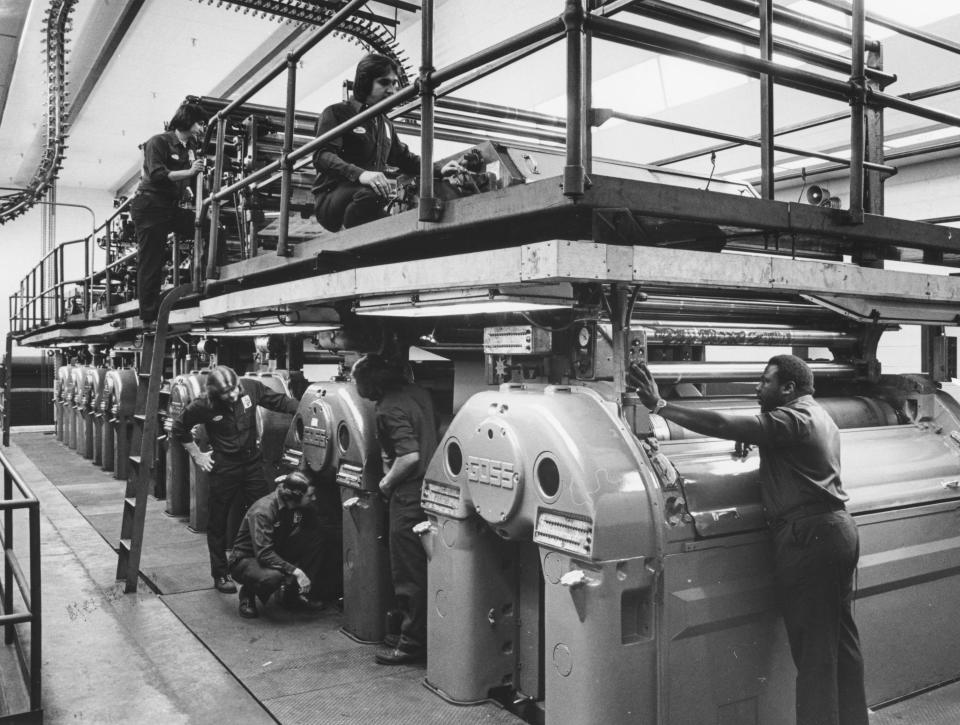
[(591, 562)]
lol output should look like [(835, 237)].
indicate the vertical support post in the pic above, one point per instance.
[(766, 102), (285, 190), (43, 293), (36, 629), (873, 201), (7, 388), (86, 275), (8, 630), (108, 260), (213, 244), (430, 208), (857, 98), (620, 329), (573, 173), (587, 104)]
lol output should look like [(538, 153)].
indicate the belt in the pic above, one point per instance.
[(805, 510)]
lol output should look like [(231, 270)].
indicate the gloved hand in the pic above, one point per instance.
[(303, 581)]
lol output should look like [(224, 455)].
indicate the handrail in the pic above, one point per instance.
[(29, 588), (580, 23)]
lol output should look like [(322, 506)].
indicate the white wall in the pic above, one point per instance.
[(21, 243)]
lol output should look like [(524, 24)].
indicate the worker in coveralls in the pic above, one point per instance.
[(228, 412), (815, 541), (280, 548)]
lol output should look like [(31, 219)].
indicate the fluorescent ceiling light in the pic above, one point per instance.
[(274, 329), (477, 300)]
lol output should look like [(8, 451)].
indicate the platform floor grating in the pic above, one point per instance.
[(298, 666)]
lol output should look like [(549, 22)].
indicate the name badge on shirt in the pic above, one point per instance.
[(359, 129), (247, 403), (217, 418)]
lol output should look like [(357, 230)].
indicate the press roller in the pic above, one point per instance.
[(608, 578)]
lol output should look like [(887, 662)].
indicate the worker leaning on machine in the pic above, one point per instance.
[(351, 187), (407, 433), (169, 163), (815, 541), (229, 414)]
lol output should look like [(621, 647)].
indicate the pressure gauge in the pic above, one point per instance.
[(583, 336)]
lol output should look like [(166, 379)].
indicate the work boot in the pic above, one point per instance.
[(248, 605), (225, 584)]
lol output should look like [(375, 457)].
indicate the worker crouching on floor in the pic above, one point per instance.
[(280, 548)]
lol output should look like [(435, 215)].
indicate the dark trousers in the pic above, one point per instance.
[(311, 547), (408, 565), (227, 481), (154, 220), (816, 558), (348, 205)]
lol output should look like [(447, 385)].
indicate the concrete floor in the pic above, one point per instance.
[(182, 655)]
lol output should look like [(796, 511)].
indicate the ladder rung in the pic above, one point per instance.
[(144, 374), (135, 460), (140, 416)]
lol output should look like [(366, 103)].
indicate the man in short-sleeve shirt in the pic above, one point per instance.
[(816, 545), (407, 432)]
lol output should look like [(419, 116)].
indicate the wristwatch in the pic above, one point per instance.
[(658, 406)]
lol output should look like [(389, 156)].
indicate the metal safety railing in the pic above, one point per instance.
[(18, 496), (581, 23), (43, 297)]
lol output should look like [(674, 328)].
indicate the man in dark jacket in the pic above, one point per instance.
[(351, 187), (279, 547), (407, 432), (170, 162), (815, 540), (229, 414)]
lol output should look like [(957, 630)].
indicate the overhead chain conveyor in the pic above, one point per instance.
[(588, 561)]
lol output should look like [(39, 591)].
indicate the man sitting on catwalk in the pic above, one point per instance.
[(279, 548)]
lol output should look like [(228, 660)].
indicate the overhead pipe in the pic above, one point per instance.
[(626, 34), (692, 372), (792, 18), (713, 25), (900, 28)]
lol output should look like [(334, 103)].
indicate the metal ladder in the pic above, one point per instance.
[(142, 464)]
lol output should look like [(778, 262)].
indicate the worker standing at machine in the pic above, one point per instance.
[(229, 414), (816, 544), (407, 432), (169, 163), (279, 547)]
